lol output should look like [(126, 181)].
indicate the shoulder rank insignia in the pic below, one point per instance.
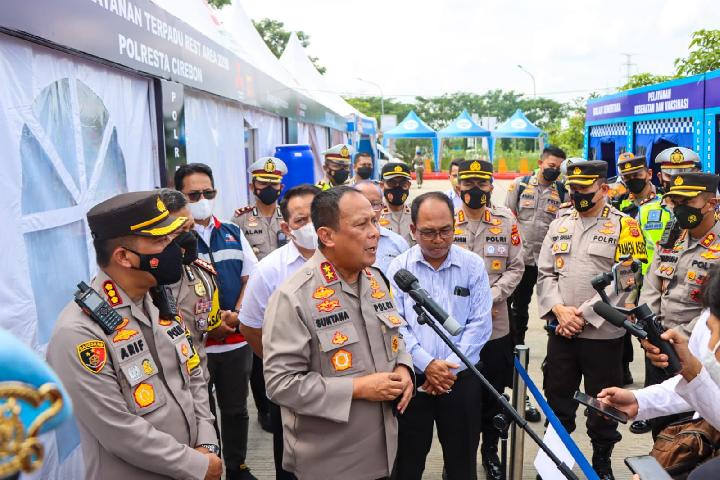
[(708, 240), (111, 293), (242, 211), (92, 355), (328, 273), (207, 266), (461, 216)]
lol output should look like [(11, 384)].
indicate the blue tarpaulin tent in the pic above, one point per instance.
[(464, 126), (413, 127), (517, 126)]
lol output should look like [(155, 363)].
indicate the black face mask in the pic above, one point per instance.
[(364, 172), (636, 185), (583, 201), (688, 217), (189, 243), (475, 198), (166, 266), (395, 196), (267, 195), (550, 174), (339, 176)]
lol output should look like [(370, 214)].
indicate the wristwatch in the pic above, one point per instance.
[(211, 447)]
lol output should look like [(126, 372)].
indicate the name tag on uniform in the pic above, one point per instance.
[(653, 226)]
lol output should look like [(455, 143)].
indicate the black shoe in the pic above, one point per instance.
[(627, 376), (532, 414), (601, 461), (641, 426), (241, 473), (264, 421), (491, 464)]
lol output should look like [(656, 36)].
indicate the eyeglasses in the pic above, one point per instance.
[(377, 206), (444, 233), (195, 195)]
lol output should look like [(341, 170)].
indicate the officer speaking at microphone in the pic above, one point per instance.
[(140, 399), (584, 241), (334, 359)]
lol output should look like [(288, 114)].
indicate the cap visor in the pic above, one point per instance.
[(165, 227), (482, 176), (390, 175), (583, 182), (684, 193), (681, 167), (623, 171), (270, 178)]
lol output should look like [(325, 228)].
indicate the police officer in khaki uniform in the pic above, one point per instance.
[(535, 200), (334, 358), (261, 226), (584, 241), (673, 282), (261, 223), (196, 293), (491, 231), (139, 394), (395, 182), (336, 166)]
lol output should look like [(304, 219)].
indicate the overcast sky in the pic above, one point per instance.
[(425, 47)]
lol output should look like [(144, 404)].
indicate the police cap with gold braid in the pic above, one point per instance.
[(585, 173), (630, 163), (268, 169), (677, 158), (692, 184), (475, 169), (132, 213), (395, 169)]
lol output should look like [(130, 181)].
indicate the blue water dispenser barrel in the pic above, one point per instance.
[(300, 163)]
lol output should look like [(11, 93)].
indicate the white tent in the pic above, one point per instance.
[(295, 59)]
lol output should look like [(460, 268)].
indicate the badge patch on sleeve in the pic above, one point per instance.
[(92, 355)]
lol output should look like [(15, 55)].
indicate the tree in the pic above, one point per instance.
[(704, 54), (645, 78), (276, 38), (571, 137), (219, 3)]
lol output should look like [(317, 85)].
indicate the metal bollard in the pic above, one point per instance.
[(517, 435)]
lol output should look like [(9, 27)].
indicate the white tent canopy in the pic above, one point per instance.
[(295, 59)]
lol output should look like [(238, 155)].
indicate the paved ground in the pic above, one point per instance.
[(260, 443)]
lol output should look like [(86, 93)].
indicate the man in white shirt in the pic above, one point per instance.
[(449, 395), (691, 389), (454, 192), (269, 273), (230, 359), (390, 244)]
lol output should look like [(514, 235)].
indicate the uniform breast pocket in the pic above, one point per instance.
[(495, 257), (141, 386), (340, 350), (527, 203), (390, 326), (604, 250)]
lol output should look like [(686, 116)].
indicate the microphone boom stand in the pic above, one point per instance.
[(425, 319)]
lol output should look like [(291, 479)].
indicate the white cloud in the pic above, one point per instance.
[(425, 47)]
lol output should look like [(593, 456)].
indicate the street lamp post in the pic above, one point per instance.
[(382, 96), (532, 77)]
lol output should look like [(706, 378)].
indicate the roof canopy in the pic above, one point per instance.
[(411, 127), (463, 126), (517, 126)]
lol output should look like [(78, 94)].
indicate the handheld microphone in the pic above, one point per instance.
[(647, 327), (408, 283), (607, 312)]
